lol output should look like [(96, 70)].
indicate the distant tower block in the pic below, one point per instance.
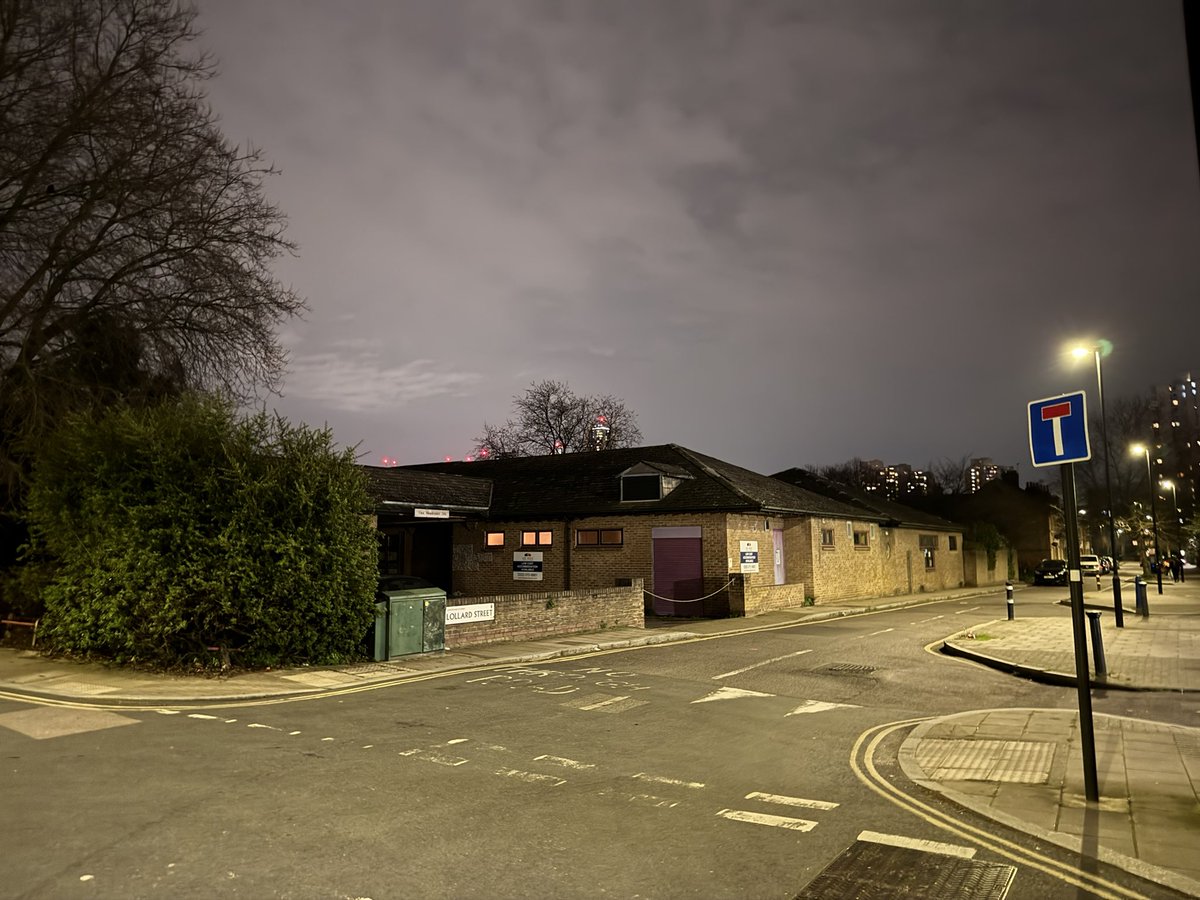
[(600, 432)]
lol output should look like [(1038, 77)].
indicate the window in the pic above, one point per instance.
[(928, 544), (493, 539), (537, 538), (641, 487), (861, 540), (953, 539), (827, 538), (599, 537)]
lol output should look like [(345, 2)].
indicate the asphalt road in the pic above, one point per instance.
[(727, 767)]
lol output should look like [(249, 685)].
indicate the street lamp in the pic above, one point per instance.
[(1168, 483), (1097, 350), (1135, 450)]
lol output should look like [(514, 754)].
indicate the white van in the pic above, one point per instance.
[(1089, 565)]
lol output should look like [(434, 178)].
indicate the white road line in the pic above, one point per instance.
[(202, 716), (607, 702), (293, 733), (532, 777), (791, 801), (659, 802), (564, 762), (741, 815), (816, 706), (168, 712), (895, 840), (728, 693), (435, 757), (270, 727), (765, 662), (961, 611), (885, 631), (658, 778), (456, 741)]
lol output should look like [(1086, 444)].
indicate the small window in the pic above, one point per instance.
[(953, 541), (861, 540), (641, 487), (599, 537), (827, 538), (493, 539), (928, 544), (537, 538)]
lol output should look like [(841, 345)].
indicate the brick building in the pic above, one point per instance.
[(704, 536)]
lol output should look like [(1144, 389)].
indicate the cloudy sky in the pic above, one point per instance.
[(786, 233)]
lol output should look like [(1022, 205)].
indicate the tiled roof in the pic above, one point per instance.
[(889, 510), (431, 489), (578, 484)]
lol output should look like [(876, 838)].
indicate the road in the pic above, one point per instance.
[(738, 766)]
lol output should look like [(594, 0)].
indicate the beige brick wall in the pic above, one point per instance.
[(530, 616), (891, 564)]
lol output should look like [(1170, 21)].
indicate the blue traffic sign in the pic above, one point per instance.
[(1058, 431)]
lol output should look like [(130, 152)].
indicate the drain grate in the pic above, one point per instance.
[(867, 870), (846, 669), (370, 669)]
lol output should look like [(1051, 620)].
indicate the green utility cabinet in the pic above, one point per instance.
[(377, 637), (416, 621)]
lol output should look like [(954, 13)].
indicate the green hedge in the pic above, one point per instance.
[(184, 527)]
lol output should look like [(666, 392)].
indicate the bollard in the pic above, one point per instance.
[(1139, 593), (1008, 598), (1097, 643)]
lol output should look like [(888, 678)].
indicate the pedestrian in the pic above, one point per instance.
[(1176, 568)]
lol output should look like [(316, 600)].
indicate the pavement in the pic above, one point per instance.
[(1019, 767)]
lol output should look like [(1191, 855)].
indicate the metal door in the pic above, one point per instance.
[(678, 570), (406, 623)]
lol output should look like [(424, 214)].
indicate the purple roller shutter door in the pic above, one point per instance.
[(678, 570)]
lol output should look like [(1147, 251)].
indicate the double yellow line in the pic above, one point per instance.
[(862, 763)]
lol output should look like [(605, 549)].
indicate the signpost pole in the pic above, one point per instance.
[(1086, 730)]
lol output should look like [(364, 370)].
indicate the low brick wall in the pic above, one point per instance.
[(746, 599), (528, 617)]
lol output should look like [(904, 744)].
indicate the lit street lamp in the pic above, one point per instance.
[(1098, 349), (1142, 448), (1167, 483)]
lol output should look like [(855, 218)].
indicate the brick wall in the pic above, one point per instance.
[(530, 616), (892, 562)]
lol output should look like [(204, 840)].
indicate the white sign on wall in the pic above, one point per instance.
[(748, 556), (527, 565), (471, 612), (419, 513)]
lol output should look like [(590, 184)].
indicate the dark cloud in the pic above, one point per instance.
[(783, 232)]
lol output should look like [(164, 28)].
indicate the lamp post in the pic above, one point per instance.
[(1096, 350), (1168, 483), (1142, 448)]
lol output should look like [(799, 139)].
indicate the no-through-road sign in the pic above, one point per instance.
[(1058, 431)]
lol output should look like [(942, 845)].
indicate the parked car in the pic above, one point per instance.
[(1089, 565), (1050, 571)]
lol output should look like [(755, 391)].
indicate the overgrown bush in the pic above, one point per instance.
[(183, 527)]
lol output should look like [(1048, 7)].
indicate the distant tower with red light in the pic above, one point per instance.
[(600, 433)]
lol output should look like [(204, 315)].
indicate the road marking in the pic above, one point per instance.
[(168, 712), (885, 631), (564, 762), (202, 716), (895, 840), (728, 693), (608, 702), (293, 733), (765, 662), (429, 756), (816, 706), (741, 815), (451, 743), (961, 611), (791, 801), (659, 779), (532, 777), (659, 802), (256, 725)]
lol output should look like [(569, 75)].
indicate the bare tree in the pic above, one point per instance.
[(135, 241), (952, 475), (855, 473), (551, 418)]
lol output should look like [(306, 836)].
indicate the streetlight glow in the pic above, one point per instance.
[(1143, 450)]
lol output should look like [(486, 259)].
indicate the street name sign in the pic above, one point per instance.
[(1058, 431)]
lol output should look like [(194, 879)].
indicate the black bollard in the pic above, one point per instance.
[(1097, 642), (1139, 589), (1008, 598)]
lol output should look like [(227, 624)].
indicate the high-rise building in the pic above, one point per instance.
[(1175, 454), (981, 471), (894, 481)]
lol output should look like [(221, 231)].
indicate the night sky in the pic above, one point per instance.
[(784, 233)]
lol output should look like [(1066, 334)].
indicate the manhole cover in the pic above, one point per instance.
[(867, 871), (846, 669)]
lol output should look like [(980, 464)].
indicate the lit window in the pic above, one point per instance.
[(928, 544), (537, 538), (493, 539), (599, 537)]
